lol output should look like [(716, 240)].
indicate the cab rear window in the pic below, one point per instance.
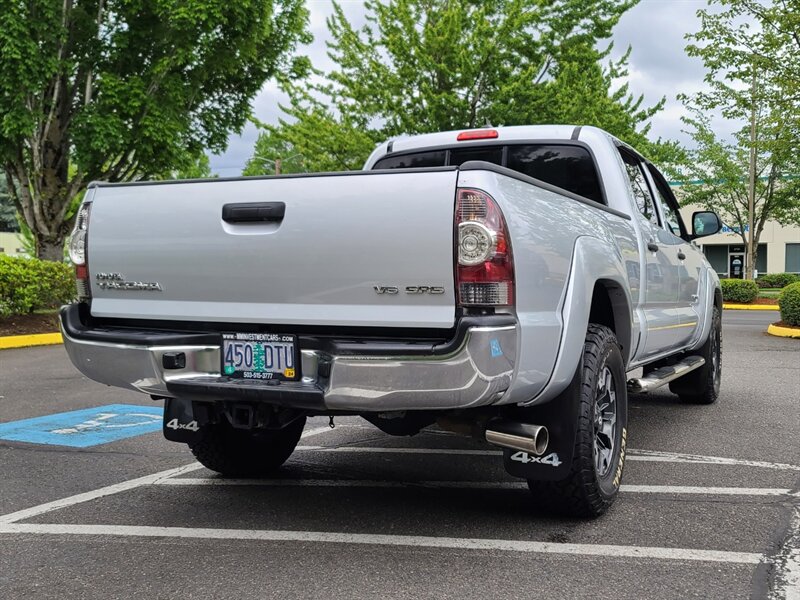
[(413, 161), (567, 166)]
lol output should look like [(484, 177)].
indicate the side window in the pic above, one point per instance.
[(569, 167), (641, 192), (672, 219), (665, 197), (670, 216)]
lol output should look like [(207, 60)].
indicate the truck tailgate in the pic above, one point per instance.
[(346, 250)]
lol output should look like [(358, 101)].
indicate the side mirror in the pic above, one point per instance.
[(705, 223)]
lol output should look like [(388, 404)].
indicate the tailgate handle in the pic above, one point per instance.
[(253, 212)]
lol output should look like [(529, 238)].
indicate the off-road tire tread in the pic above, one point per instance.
[(579, 494), (702, 378), (237, 453)]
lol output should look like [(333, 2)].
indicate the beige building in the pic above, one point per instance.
[(11, 244), (778, 249)]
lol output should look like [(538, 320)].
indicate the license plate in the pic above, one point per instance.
[(259, 356)]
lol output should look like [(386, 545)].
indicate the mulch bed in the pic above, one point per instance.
[(784, 324), (772, 301), (29, 324)]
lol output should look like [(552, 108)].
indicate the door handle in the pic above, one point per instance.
[(681, 255), (253, 212), (652, 246)]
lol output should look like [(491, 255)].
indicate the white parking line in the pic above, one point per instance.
[(633, 454), (602, 550), (787, 562), (98, 493), (116, 488), (657, 456), (482, 485), (713, 491), (9, 523)]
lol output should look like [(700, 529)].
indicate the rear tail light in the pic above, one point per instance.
[(485, 267), (78, 251)]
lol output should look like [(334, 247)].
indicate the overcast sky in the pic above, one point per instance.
[(658, 67)]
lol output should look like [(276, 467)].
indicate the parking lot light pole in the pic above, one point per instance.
[(751, 192)]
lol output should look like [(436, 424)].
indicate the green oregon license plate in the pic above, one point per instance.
[(259, 356)]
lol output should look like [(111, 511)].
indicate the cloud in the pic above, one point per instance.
[(658, 67), (266, 106)]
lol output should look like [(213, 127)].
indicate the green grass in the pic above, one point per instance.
[(768, 293)]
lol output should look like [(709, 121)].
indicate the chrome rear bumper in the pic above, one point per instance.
[(475, 372)]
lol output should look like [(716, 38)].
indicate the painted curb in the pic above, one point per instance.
[(750, 306), (786, 332), (24, 341)]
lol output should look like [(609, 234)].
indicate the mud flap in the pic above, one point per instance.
[(560, 416), (180, 424)]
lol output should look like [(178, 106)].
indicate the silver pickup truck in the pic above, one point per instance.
[(503, 283)]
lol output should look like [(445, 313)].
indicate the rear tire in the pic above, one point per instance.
[(701, 386), (599, 454), (244, 453)]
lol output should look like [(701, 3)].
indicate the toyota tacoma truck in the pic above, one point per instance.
[(511, 283)]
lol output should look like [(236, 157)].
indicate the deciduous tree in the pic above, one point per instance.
[(118, 90), (751, 51), (274, 155), (420, 66), (717, 178)]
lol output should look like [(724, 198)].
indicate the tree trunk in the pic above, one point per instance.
[(50, 249), (752, 255)]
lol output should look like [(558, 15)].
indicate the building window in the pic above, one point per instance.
[(761, 259), (717, 255), (792, 258), (720, 255)]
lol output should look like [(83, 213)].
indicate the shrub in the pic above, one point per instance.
[(28, 284), (789, 303), (742, 291), (777, 280)]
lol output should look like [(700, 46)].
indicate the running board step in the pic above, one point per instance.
[(663, 375)]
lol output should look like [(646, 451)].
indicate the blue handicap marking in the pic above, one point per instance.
[(494, 345), (87, 427)]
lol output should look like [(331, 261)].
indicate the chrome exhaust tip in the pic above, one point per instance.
[(532, 439)]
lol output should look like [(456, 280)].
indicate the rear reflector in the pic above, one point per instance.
[(477, 134), (485, 268), (485, 294)]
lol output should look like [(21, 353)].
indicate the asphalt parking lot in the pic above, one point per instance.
[(709, 506)]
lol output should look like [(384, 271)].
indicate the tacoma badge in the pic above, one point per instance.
[(116, 281)]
